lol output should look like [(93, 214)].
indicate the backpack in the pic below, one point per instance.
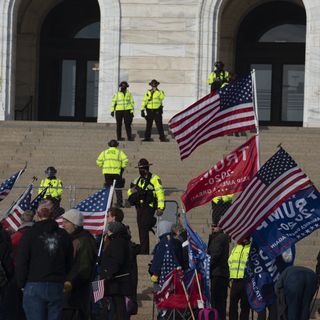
[(208, 314)]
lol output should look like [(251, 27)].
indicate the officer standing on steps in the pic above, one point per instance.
[(123, 108), (218, 78), (113, 161), (152, 109), (147, 195), (54, 184)]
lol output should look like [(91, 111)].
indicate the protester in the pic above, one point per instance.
[(113, 161), (218, 249), (295, 289), (167, 245), (78, 280), (147, 195), (237, 263), (115, 214), (135, 249), (15, 309), (281, 262), (26, 223), (6, 271), (43, 261), (115, 268)]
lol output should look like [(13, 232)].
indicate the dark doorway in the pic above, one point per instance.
[(271, 40), (69, 62)]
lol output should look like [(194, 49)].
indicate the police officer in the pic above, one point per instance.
[(147, 195), (54, 184), (237, 262), (218, 78), (152, 109), (123, 107), (113, 161), (220, 205)]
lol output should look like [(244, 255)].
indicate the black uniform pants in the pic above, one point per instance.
[(126, 116), (108, 183), (156, 115), (145, 221), (219, 294), (238, 293)]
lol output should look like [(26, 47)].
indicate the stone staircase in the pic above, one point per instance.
[(73, 148)]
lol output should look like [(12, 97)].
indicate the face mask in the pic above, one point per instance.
[(143, 172)]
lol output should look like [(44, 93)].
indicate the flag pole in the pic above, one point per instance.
[(254, 93), (195, 271), (187, 297), (105, 216)]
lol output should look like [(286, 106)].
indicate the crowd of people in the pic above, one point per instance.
[(46, 271)]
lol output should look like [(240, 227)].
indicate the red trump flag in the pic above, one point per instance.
[(230, 175)]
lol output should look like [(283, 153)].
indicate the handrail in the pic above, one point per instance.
[(25, 112)]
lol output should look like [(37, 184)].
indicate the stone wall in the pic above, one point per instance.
[(172, 41)]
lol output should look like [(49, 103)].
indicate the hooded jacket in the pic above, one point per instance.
[(44, 255)]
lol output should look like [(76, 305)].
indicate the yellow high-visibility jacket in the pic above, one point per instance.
[(225, 198), (154, 185), (112, 161), (152, 100), (237, 260), (122, 101), (56, 190), (224, 77)]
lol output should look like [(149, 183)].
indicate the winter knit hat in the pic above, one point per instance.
[(74, 216), (115, 227), (164, 226)]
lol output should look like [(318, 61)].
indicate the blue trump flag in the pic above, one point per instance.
[(261, 273), (292, 221), (199, 260)]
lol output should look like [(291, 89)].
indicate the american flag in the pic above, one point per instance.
[(98, 290), (7, 185), (226, 111), (277, 180), (36, 201), (169, 263), (94, 210), (24, 203)]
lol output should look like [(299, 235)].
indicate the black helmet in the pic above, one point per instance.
[(154, 82), (219, 64), (143, 163), (113, 143), (51, 171), (124, 83)]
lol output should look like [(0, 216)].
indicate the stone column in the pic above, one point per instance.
[(109, 56), (311, 115)]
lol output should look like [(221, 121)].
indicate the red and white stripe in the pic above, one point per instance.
[(13, 220), (258, 201), (203, 121), (92, 221), (4, 193), (98, 290)]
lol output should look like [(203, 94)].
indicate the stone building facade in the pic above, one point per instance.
[(64, 59)]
